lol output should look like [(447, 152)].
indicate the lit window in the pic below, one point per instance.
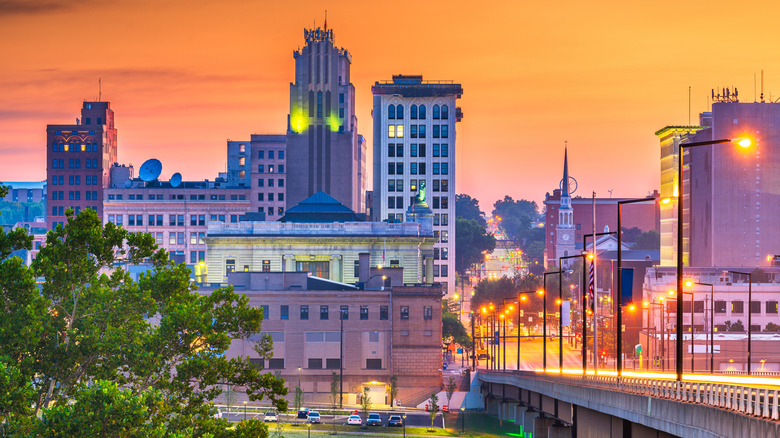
[(242, 161), (399, 131), (391, 131)]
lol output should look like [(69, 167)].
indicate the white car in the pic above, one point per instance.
[(355, 420), (270, 416)]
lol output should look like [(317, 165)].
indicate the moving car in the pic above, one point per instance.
[(374, 420), (355, 420), (395, 420), (314, 417), (270, 416), (303, 412)]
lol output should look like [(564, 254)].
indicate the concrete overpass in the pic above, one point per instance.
[(572, 405)]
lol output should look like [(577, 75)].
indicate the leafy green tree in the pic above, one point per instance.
[(467, 207), (433, 402), (516, 216), (449, 389), (471, 240), (453, 329), (298, 399), (648, 240), (365, 403), (12, 212), (393, 389), (772, 327), (90, 321), (494, 291), (335, 400), (630, 234)]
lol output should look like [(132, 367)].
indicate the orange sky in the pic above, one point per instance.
[(185, 76)]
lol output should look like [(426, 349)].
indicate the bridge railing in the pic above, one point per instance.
[(747, 400)]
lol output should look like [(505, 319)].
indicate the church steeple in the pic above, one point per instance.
[(565, 181)]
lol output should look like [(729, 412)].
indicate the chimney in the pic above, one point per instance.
[(364, 259)]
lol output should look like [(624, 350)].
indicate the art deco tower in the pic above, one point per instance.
[(324, 150)]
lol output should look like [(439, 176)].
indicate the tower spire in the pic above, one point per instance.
[(565, 181)]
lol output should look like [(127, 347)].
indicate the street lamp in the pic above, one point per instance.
[(585, 255), (619, 294), (743, 142), (712, 323), (520, 298), (463, 420), (543, 292), (750, 315), (341, 358), (308, 429), (244, 410), (404, 425), (592, 257), (671, 292)]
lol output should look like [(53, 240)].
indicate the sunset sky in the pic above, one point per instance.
[(185, 76)]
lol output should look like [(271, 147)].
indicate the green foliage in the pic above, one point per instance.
[(630, 234), (334, 390), (772, 327), (90, 322), (12, 212), (516, 216), (734, 327), (467, 207), (298, 398), (393, 389), (433, 403), (494, 291), (449, 389), (365, 402), (15, 394), (471, 240), (648, 240), (453, 329)]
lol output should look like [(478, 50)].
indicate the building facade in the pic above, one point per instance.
[(78, 158), (322, 131), (730, 200), (260, 165), (414, 151)]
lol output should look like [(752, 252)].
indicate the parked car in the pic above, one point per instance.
[(374, 420), (218, 414), (314, 417), (303, 412), (270, 416), (355, 420), (395, 420)]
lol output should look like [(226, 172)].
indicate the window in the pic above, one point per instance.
[(304, 313), (737, 307), (445, 112), (399, 150), (404, 312), (445, 131), (755, 307), (436, 131), (413, 131), (260, 168), (445, 270), (445, 254), (230, 264), (261, 197), (391, 185), (436, 168), (435, 202), (422, 112), (281, 155), (270, 196), (422, 131), (266, 312), (280, 168), (445, 202), (413, 112), (445, 151), (284, 312), (436, 112), (280, 183), (323, 312), (399, 185), (391, 168), (261, 154), (383, 312), (270, 168), (315, 364), (391, 202), (344, 312), (399, 131), (771, 307), (270, 183), (270, 155), (399, 112), (373, 364), (391, 112), (333, 364), (391, 150), (413, 169), (363, 313), (413, 150), (399, 168), (445, 168), (427, 312)]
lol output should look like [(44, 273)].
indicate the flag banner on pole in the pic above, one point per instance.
[(591, 284)]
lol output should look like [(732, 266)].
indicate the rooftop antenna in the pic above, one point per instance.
[(326, 19), (689, 114), (611, 190), (100, 89), (762, 85)]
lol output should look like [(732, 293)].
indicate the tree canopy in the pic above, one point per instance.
[(517, 217), (467, 207), (471, 240), (90, 337)]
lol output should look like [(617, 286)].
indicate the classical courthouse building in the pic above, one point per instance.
[(338, 294)]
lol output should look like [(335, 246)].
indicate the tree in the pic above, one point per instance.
[(434, 407), (772, 327), (516, 216), (648, 240), (453, 329), (90, 322), (393, 389), (467, 207), (735, 327), (471, 240), (630, 234), (334, 391), (493, 291), (449, 389), (298, 398), (365, 403)]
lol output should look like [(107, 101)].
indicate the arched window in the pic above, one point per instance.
[(391, 112), (422, 112), (444, 112), (413, 112), (399, 112), (435, 112)]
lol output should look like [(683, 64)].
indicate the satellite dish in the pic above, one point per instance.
[(128, 183), (150, 170), (175, 179)]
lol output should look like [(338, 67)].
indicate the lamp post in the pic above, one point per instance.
[(244, 410), (341, 359), (592, 257), (750, 315), (712, 323), (663, 331), (463, 420), (689, 283), (584, 255), (520, 298), (619, 293), (743, 142), (544, 318), (404, 425), (308, 428)]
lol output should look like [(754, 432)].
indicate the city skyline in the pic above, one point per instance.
[(186, 78)]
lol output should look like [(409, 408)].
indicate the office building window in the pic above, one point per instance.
[(230, 265), (399, 112), (323, 312), (737, 307), (399, 150), (445, 112), (391, 168), (436, 112), (344, 312), (427, 312), (413, 112), (413, 131), (771, 307), (384, 312), (364, 312), (266, 266), (284, 312), (404, 312), (373, 364), (315, 364), (421, 112), (333, 364), (391, 112), (755, 307), (391, 202), (304, 313), (399, 131), (276, 364), (391, 131), (399, 168)]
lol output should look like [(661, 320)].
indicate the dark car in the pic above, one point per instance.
[(374, 420), (303, 413), (395, 420)]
